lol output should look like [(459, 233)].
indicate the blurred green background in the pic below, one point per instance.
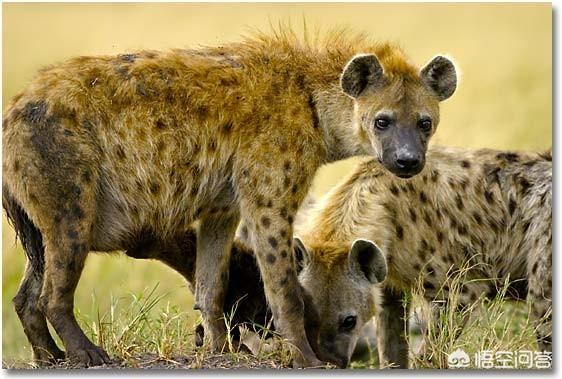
[(504, 100)]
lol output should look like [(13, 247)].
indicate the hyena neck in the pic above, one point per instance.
[(335, 113)]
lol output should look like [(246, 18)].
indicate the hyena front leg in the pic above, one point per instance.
[(214, 244), (392, 328), (269, 222), (45, 350), (540, 295)]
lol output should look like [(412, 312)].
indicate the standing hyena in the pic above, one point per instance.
[(489, 210), (101, 151)]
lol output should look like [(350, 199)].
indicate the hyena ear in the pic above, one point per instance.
[(360, 72), (440, 77), (367, 259), (302, 257)]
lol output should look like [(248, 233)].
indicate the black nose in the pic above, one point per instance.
[(408, 162)]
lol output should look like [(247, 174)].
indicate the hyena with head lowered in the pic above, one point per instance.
[(333, 317), (100, 153), (482, 214)]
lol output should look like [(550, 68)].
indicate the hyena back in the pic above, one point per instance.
[(489, 210), (100, 151)]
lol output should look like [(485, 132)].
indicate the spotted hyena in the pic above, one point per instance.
[(336, 281), (99, 152), (485, 209)]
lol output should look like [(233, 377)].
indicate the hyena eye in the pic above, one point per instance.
[(425, 125), (382, 123), (348, 323)]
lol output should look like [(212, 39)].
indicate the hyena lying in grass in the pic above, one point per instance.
[(485, 209), (100, 151)]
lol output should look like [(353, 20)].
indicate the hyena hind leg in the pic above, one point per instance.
[(214, 244), (45, 350)]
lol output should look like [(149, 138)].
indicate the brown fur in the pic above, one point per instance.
[(99, 151), (489, 209)]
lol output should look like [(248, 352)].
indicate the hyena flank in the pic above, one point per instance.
[(99, 152), (484, 213)]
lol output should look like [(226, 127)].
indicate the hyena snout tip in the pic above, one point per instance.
[(407, 164)]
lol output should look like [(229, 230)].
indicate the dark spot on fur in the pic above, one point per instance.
[(284, 254), (428, 286), (525, 186), (283, 233), (265, 221), (313, 113), (154, 188), (76, 212), (427, 218), (489, 197), (399, 232), (509, 157), (465, 164), (160, 125), (271, 258), (413, 215), (273, 242), (434, 175), (227, 127), (460, 204), (283, 212), (290, 219), (512, 206), (269, 204), (416, 267), (423, 197), (440, 236), (286, 182), (477, 217), (394, 190), (287, 165)]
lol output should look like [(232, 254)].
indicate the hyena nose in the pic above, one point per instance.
[(408, 161)]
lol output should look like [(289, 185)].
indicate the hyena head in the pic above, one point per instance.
[(337, 283), (396, 108)]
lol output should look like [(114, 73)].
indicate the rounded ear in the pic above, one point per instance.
[(360, 72), (302, 257), (365, 258), (440, 77)]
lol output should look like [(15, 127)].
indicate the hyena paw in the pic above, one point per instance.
[(44, 358), (88, 354)]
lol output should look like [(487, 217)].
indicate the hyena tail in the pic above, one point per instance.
[(26, 231)]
